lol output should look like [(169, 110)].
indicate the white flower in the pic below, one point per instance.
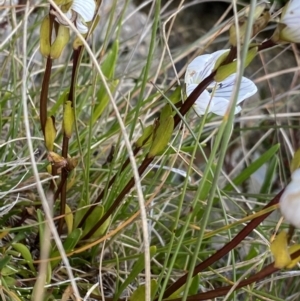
[(290, 17), (217, 96), (80, 12), (289, 203)]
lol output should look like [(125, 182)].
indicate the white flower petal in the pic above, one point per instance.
[(201, 67), (68, 14), (290, 17), (293, 8), (290, 200), (291, 34), (81, 26), (215, 55), (220, 106), (202, 102), (217, 95), (82, 11), (85, 8), (194, 69), (225, 88)]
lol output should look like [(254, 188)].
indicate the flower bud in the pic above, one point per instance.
[(260, 21), (50, 133), (68, 118), (45, 37), (161, 137), (62, 39)]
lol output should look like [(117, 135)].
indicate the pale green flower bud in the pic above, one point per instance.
[(68, 119), (50, 133), (260, 21), (61, 41), (45, 44)]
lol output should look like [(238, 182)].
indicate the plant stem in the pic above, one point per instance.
[(226, 249)]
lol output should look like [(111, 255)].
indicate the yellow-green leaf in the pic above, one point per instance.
[(62, 39), (293, 249), (224, 71), (136, 269), (45, 45), (145, 139), (165, 113), (50, 133), (176, 95), (94, 217), (295, 163), (25, 253), (279, 249), (162, 137), (103, 100), (69, 218), (69, 245), (139, 293), (220, 60), (68, 118)]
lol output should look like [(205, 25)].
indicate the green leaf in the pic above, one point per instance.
[(79, 214), (109, 64), (220, 60), (165, 113), (198, 209), (176, 95), (139, 293), (4, 262), (268, 181), (69, 218), (145, 139), (8, 270), (25, 253), (93, 219), (162, 137), (103, 100), (68, 118), (136, 269), (224, 71), (295, 163), (247, 172), (69, 245), (108, 68), (40, 218), (60, 101), (8, 281), (193, 289)]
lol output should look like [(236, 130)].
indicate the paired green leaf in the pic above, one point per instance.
[(139, 293), (69, 245), (162, 133), (136, 270), (94, 217), (25, 253), (193, 289), (247, 172), (108, 69), (224, 71)]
